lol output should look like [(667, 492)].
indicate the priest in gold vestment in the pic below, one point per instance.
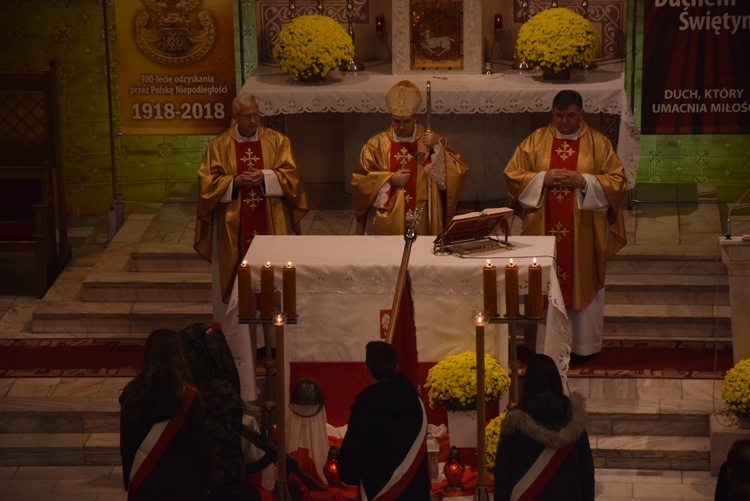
[(406, 170), (249, 185), (567, 181)]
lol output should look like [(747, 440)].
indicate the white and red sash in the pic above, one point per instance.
[(537, 476), (405, 472), (153, 446), (558, 214), (253, 210)]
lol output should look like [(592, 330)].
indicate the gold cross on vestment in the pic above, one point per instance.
[(403, 157), (253, 200), (559, 231), (560, 193), (407, 198), (565, 151), (249, 159)]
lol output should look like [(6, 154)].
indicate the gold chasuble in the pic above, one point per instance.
[(236, 221), (253, 210), (586, 239), (558, 220), (379, 159)]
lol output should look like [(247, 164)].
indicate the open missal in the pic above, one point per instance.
[(472, 232)]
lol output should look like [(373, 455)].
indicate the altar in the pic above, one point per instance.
[(344, 283), (484, 116)]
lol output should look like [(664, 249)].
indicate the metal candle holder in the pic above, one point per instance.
[(292, 10), (522, 65), (353, 64)]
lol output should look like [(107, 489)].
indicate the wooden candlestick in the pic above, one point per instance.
[(489, 279), (266, 290), (535, 290), (244, 290), (511, 290), (289, 293)]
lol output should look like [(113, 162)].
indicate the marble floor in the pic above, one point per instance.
[(657, 229)]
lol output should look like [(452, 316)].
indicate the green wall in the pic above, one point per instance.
[(32, 32)]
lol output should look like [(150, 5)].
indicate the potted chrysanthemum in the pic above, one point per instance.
[(736, 392), (452, 383), (557, 40), (491, 439), (309, 47)]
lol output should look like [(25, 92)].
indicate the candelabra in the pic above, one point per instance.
[(517, 64), (353, 64), (585, 6)]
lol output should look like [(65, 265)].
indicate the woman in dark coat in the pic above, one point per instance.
[(183, 471), (544, 451)]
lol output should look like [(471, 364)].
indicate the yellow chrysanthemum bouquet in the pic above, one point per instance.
[(736, 391), (557, 39), (492, 438), (452, 382), (309, 47)]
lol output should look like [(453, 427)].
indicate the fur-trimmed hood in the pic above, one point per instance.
[(519, 421)]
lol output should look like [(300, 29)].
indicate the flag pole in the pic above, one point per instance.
[(409, 236)]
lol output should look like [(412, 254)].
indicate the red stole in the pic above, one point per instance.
[(253, 209), (558, 213), (404, 156)]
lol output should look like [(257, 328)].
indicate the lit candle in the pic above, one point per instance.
[(489, 278), (379, 24), (535, 290), (266, 290), (289, 283), (511, 290), (498, 21), (244, 289)]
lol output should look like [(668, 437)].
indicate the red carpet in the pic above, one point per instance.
[(342, 381)]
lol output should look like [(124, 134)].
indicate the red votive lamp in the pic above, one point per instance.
[(331, 468), (498, 21), (454, 471), (379, 24)]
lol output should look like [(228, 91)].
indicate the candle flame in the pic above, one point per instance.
[(511, 261), (534, 260), (244, 264), (268, 264), (289, 264)]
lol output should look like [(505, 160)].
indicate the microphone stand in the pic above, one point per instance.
[(728, 234)]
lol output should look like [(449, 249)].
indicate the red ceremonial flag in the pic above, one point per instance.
[(405, 336)]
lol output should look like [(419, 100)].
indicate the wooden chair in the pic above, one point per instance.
[(32, 197)]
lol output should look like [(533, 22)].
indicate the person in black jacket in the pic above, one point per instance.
[(734, 477), (547, 433), (183, 471), (386, 434)]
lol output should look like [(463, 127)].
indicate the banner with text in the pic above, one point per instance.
[(176, 66), (695, 76)]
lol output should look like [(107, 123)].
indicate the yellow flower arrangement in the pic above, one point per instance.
[(557, 39), (311, 46), (452, 382), (736, 391), (491, 439)]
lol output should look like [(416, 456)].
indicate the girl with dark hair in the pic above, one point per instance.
[(544, 450), (164, 443)]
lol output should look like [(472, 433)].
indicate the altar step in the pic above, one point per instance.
[(71, 431), (667, 296)]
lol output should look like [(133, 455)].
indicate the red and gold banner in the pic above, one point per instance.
[(176, 66), (695, 79)]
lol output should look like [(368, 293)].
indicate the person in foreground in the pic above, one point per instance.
[(164, 442), (544, 451), (567, 181), (249, 185), (384, 450), (406, 168), (733, 483)]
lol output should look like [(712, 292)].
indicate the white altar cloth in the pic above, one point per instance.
[(505, 92), (343, 282)]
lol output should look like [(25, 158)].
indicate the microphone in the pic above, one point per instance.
[(728, 235)]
